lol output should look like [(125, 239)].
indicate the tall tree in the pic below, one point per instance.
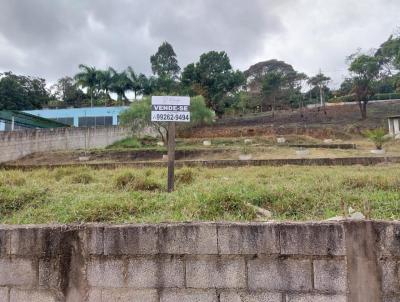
[(213, 78), (22, 92), (104, 82), (164, 63), (389, 54), (365, 70), (272, 85), (120, 84), (136, 81), (66, 91), (320, 81), (256, 73), (87, 78)]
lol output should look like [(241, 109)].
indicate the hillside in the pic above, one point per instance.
[(339, 120)]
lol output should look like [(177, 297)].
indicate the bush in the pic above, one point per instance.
[(13, 180), (82, 178), (60, 173), (126, 143), (385, 96), (12, 200), (124, 180), (129, 180), (377, 183), (377, 136), (343, 99), (185, 176), (224, 204), (146, 184)]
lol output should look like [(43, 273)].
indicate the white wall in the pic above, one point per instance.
[(16, 144)]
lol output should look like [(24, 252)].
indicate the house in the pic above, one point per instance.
[(76, 117), (394, 126)]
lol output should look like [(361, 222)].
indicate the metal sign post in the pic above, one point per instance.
[(171, 156), (170, 109)]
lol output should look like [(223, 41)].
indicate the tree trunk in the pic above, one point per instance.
[(363, 109), (321, 96), (91, 97), (273, 106)]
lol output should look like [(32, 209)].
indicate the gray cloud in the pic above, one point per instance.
[(49, 38)]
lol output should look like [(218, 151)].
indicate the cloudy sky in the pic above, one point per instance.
[(49, 38)]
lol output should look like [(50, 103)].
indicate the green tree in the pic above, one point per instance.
[(320, 81), (138, 116), (164, 65), (137, 81), (104, 83), (213, 78), (272, 86), (164, 62), (22, 92), (66, 91), (87, 78), (365, 70), (389, 54), (120, 83), (346, 87), (290, 91), (256, 73)]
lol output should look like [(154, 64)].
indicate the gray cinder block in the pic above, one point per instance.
[(280, 275), (248, 238), (216, 272)]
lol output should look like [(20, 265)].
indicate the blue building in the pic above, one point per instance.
[(78, 117)]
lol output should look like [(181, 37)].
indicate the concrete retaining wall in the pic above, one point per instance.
[(224, 262), (16, 144)]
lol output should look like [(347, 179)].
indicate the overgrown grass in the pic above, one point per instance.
[(134, 143), (69, 195)]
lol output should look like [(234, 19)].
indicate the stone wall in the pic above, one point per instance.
[(16, 144), (210, 262)]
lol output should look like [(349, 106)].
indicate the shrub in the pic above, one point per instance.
[(12, 200), (60, 173), (13, 180), (126, 143), (123, 180), (375, 183), (129, 180), (386, 96), (185, 176), (146, 184), (378, 137), (82, 178), (343, 99), (225, 204), (104, 211)]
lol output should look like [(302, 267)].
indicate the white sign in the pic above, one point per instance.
[(170, 109)]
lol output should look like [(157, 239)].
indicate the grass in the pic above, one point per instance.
[(134, 143), (68, 195)]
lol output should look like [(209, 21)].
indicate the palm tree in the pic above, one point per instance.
[(136, 81), (104, 78), (119, 84), (87, 79)]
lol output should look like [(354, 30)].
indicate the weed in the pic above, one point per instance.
[(185, 175), (82, 178)]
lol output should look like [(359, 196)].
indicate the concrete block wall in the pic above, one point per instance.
[(195, 262), (16, 144)]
